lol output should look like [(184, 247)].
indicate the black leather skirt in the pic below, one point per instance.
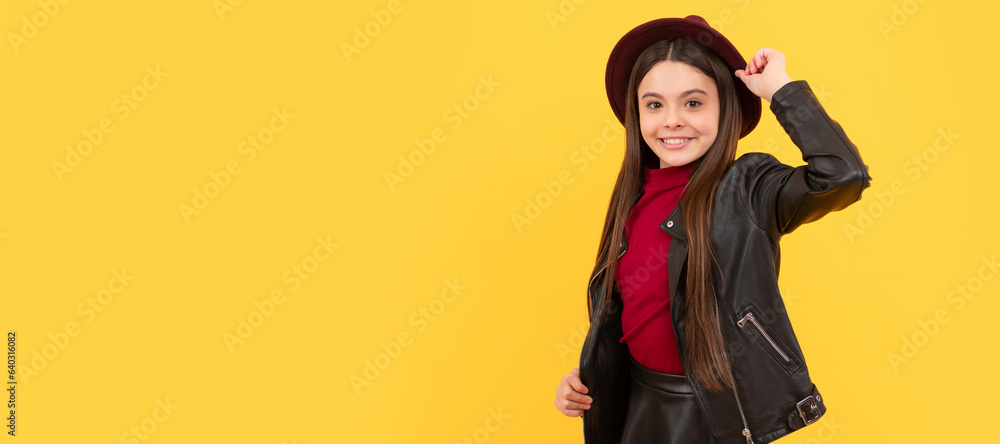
[(662, 410)]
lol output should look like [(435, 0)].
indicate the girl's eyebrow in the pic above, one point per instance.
[(683, 94)]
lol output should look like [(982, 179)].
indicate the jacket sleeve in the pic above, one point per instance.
[(781, 198)]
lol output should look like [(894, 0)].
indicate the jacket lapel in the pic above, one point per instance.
[(676, 256)]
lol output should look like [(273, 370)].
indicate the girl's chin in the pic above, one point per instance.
[(675, 159)]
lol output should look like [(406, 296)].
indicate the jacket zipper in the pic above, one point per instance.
[(739, 405), (749, 317)]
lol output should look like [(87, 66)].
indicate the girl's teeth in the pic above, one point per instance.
[(675, 141)]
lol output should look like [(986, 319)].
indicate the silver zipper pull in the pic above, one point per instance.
[(746, 433)]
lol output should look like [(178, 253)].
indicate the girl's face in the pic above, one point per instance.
[(678, 112)]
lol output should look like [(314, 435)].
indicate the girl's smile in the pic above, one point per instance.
[(674, 143), (678, 112)]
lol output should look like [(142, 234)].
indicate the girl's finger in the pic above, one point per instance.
[(565, 391), (771, 55), (565, 411), (574, 381), (761, 59), (572, 405), (578, 406), (580, 398), (571, 408)]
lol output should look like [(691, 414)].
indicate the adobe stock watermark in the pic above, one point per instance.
[(366, 33), (898, 17), (12, 383), (249, 148), (958, 297), (420, 319), (455, 115), (727, 17), (293, 277), (88, 310), (122, 108), (656, 259), (574, 344), (565, 8), (30, 27), (494, 420), (223, 7), (551, 190), (825, 430), (141, 432), (914, 168), (562, 11)]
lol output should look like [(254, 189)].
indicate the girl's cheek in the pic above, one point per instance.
[(647, 124)]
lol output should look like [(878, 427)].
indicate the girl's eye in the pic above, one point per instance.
[(696, 103), (653, 105)]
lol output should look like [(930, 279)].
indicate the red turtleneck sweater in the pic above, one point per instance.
[(642, 272)]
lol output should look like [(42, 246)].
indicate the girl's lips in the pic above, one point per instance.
[(663, 143)]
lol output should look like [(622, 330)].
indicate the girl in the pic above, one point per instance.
[(689, 341)]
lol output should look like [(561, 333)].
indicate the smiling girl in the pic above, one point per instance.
[(689, 341)]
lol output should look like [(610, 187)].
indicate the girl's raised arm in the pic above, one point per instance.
[(780, 197)]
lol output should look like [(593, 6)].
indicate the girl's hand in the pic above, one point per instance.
[(765, 73), (570, 395)]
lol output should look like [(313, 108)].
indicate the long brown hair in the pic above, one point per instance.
[(704, 347)]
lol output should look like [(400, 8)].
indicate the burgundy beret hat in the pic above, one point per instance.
[(692, 27)]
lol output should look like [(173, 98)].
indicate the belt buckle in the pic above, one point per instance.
[(808, 410)]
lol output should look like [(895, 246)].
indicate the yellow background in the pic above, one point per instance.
[(497, 347)]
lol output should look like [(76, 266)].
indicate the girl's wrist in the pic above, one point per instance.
[(778, 86)]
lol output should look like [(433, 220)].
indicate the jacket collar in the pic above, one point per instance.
[(673, 224)]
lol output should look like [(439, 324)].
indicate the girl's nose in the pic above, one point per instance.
[(672, 119)]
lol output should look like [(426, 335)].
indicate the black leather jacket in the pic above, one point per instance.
[(758, 200)]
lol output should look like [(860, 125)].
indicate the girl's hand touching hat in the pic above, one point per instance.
[(765, 73)]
